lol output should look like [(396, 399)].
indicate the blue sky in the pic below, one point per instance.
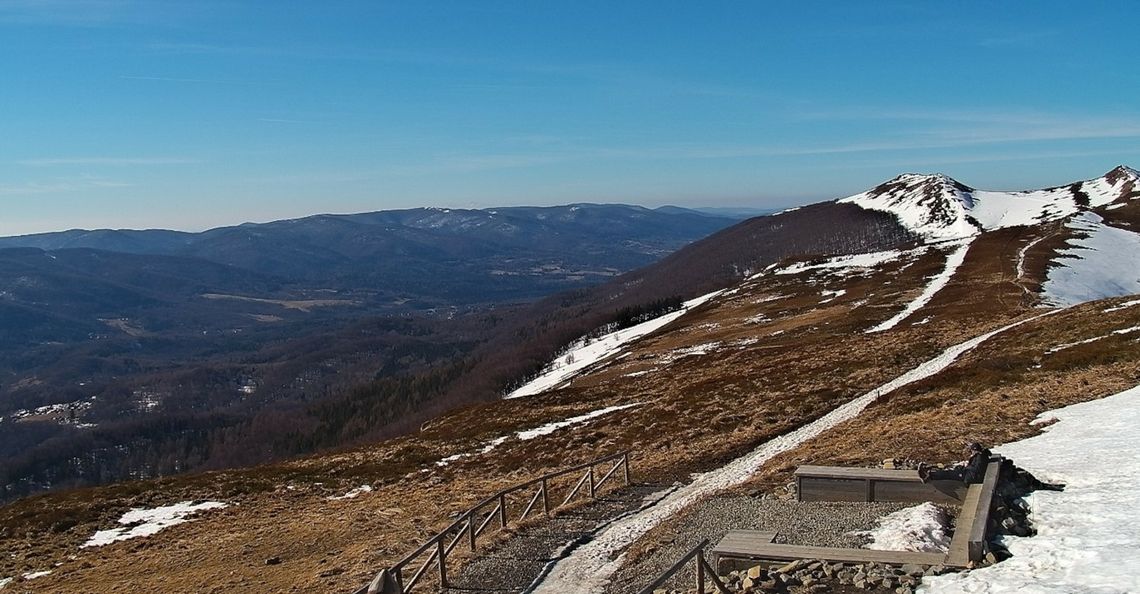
[(137, 113)]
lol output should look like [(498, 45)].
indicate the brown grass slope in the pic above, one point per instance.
[(785, 353)]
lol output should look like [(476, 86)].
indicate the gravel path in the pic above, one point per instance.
[(511, 566), (824, 524)]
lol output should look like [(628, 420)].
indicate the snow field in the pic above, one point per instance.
[(589, 567), (1106, 264), (1088, 540)]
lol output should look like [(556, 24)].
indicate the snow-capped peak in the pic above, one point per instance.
[(937, 207), (933, 205)]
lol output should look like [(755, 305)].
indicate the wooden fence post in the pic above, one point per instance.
[(545, 498), (471, 528), (502, 510), (625, 467), (592, 483), (442, 563)]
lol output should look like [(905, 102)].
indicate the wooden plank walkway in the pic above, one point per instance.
[(758, 546)]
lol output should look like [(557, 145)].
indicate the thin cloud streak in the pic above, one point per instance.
[(192, 80), (108, 161)]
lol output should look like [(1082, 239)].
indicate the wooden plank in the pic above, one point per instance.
[(743, 540), (970, 539), (959, 555), (780, 552), (985, 503), (842, 472), (908, 492), (831, 489)]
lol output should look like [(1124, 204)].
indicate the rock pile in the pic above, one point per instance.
[(806, 576)]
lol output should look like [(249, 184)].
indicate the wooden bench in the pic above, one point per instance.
[(873, 484), (832, 483)]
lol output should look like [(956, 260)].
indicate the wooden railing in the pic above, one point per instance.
[(704, 571), (472, 523)]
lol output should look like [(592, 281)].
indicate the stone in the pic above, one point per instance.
[(912, 569), (757, 572), (273, 561), (748, 582), (791, 567), (908, 580)]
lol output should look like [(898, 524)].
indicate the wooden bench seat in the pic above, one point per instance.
[(833, 483)]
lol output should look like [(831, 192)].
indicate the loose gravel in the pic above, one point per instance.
[(824, 524)]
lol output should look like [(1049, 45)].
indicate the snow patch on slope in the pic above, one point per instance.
[(529, 434), (585, 353), (590, 566), (145, 522), (549, 428), (844, 265), (1098, 264), (921, 528), (1087, 537), (353, 494)]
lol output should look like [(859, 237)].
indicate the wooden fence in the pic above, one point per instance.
[(472, 523), (704, 571)]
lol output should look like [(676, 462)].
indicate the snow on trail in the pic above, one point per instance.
[(1088, 540), (953, 261), (1021, 254), (5, 582), (585, 353), (588, 568)]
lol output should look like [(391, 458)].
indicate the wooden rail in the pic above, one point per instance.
[(473, 522), (704, 571)]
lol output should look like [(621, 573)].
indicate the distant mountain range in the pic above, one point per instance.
[(196, 331)]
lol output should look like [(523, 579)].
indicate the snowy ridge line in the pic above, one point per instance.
[(578, 358), (954, 260), (589, 568)]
